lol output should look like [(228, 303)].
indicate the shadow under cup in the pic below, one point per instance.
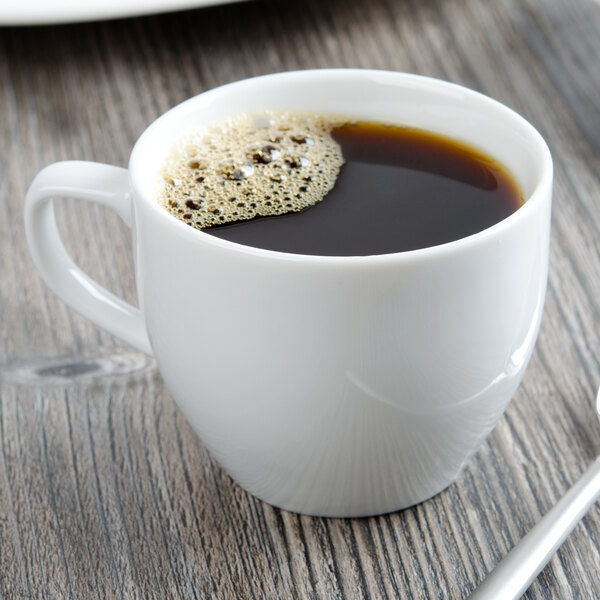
[(345, 386)]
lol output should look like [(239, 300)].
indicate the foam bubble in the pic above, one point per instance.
[(250, 166)]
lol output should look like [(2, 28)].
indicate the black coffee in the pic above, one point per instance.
[(398, 189)]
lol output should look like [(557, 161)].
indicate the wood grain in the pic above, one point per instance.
[(105, 492)]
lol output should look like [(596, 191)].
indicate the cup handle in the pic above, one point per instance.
[(94, 182)]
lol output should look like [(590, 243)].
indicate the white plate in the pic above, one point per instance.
[(47, 12)]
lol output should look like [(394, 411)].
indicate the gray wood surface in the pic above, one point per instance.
[(105, 492)]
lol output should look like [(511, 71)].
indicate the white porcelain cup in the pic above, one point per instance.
[(337, 386)]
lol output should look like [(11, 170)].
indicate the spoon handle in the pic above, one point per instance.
[(513, 575)]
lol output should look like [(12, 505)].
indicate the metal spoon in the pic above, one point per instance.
[(514, 574)]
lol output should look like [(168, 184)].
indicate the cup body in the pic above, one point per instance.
[(345, 386)]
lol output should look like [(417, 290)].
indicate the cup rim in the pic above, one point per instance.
[(540, 192)]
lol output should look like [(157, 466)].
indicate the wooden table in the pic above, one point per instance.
[(105, 492)]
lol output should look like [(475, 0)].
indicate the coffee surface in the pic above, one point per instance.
[(250, 166), (348, 188)]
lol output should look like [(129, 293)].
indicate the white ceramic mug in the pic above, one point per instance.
[(338, 386)]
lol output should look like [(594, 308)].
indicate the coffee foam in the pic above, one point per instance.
[(250, 166)]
